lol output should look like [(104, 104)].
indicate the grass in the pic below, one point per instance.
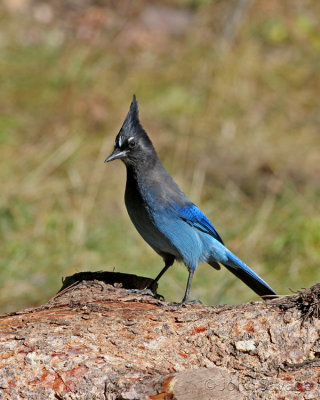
[(237, 127)]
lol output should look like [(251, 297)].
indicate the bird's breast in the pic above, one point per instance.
[(144, 210)]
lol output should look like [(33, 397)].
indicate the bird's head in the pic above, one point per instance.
[(132, 144)]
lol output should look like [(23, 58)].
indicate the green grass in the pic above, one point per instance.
[(237, 127)]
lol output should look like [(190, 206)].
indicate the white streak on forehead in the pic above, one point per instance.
[(120, 141)]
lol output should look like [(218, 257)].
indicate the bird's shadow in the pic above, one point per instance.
[(126, 281)]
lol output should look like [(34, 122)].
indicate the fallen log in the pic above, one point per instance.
[(103, 337)]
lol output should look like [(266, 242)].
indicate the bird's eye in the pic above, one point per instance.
[(131, 143)]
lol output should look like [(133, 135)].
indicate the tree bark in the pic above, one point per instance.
[(102, 337)]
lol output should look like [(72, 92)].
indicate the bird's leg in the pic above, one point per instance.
[(164, 269), (186, 295), (168, 263)]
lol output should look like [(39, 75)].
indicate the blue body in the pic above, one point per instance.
[(172, 225), (164, 216)]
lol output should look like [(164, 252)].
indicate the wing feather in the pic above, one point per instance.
[(193, 216)]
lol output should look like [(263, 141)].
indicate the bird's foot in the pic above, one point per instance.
[(193, 302), (185, 303), (148, 292), (153, 286)]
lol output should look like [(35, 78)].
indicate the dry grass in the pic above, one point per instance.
[(234, 117)]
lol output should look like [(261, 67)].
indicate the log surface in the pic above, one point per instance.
[(98, 339)]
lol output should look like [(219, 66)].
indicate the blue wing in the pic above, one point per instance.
[(192, 215), (195, 217)]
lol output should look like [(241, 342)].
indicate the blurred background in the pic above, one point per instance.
[(229, 94)]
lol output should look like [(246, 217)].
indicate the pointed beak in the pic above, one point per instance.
[(116, 154)]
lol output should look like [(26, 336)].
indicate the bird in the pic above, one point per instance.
[(164, 216)]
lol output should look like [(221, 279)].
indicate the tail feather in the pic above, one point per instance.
[(214, 264), (249, 277)]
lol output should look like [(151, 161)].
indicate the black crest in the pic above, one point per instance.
[(132, 123), (132, 126)]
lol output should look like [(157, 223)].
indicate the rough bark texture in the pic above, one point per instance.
[(98, 340)]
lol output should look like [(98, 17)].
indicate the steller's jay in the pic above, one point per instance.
[(164, 216)]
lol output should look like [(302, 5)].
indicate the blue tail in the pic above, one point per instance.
[(250, 278)]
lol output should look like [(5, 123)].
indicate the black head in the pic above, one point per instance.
[(132, 144)]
